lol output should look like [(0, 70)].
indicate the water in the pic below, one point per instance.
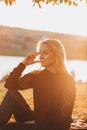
[(80, 69), (7, 63)]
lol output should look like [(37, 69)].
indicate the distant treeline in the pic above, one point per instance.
[(19, 42)]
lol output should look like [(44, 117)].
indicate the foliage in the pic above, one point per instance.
[(54, 2), (58, 2), (8, 2)]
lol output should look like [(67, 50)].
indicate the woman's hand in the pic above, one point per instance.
[(30, 59)]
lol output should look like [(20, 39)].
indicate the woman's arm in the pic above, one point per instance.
[(69, 97), (15, 81), (11, 82)]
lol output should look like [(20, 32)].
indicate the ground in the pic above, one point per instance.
[(80, 107)]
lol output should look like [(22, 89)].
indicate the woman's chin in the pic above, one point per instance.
[(43, 65)]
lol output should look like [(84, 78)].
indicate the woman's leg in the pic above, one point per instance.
[(22, 111), (14, 103), (23, 126)]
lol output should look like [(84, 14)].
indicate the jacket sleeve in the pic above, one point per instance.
[(69, 98), (15, 81)]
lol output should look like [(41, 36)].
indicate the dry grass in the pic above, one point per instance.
[(80, 108), (28, 95)]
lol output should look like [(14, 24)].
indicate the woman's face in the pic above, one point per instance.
[(47, 57)]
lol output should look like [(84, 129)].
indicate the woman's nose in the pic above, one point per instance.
[(41, 56)]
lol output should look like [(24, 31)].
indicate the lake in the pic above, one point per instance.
[(7, 63)]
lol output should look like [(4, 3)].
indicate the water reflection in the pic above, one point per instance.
[(78, 67)]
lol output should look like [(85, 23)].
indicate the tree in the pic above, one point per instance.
[(54, 2)]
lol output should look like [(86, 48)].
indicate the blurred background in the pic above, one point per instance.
[(22, 26)]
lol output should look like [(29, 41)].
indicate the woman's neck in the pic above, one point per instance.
[(52, 69)]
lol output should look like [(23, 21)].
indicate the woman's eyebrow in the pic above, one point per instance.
[(44, 50)]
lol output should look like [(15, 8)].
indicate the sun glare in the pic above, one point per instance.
[(63, 19)]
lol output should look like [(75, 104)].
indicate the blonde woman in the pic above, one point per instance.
[(53, 91)]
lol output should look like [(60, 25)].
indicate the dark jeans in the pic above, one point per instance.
[(21, 126), (14, 103)]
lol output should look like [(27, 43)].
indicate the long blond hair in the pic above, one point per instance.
[(59, 51)]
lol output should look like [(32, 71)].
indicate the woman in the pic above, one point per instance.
[(53, 91)]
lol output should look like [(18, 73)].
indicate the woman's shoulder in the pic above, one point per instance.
[(68, 76), (68, 79)]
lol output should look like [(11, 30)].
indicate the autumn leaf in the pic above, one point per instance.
[(9, 2), (54, 2)]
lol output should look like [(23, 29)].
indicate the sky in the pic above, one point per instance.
[(61, 19)]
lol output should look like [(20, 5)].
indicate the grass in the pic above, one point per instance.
[(28, 95), (80, 107)]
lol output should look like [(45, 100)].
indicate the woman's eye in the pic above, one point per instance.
[(46, 52)]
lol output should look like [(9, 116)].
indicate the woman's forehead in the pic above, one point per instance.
[(45, 47)]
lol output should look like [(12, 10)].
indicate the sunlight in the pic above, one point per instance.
[(79, 69), (63, 19)]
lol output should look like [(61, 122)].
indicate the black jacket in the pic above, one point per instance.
[(54, 94)]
